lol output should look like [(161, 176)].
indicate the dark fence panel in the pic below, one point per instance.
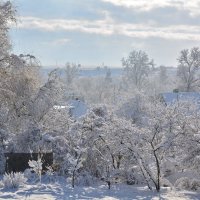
[(18, 162)]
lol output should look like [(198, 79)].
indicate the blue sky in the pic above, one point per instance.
[(92, 32)]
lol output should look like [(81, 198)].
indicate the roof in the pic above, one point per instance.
[(172, 97), (78, 108)]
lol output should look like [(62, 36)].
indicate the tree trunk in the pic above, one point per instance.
[(109, 184), (158, 172), (73, 178)]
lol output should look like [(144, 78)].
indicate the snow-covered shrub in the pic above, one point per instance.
[(183, 183), (188, 184), (85, 179), (195, 185), (166, 183), (60, 148), (14, 180), (28, 173), (50, 174), (169, 167), (75, 163), (3, 138), (50, 171), (132, 177), (36, 166)]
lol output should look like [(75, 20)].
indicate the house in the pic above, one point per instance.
[(75, 107), (173, 97), (78, 108)]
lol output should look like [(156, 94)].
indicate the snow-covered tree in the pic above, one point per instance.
[(36, 166), (188, 69), (163, 76), (189, 144), (156, 139), (71, 72), (132, 107), (7, 14), (99, 138), (137, 68)]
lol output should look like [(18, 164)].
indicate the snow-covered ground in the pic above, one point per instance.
[(61, 190)]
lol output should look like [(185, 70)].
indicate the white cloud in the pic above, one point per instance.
[(61, 41), (56, 42), (192, 6), (108, 26)]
